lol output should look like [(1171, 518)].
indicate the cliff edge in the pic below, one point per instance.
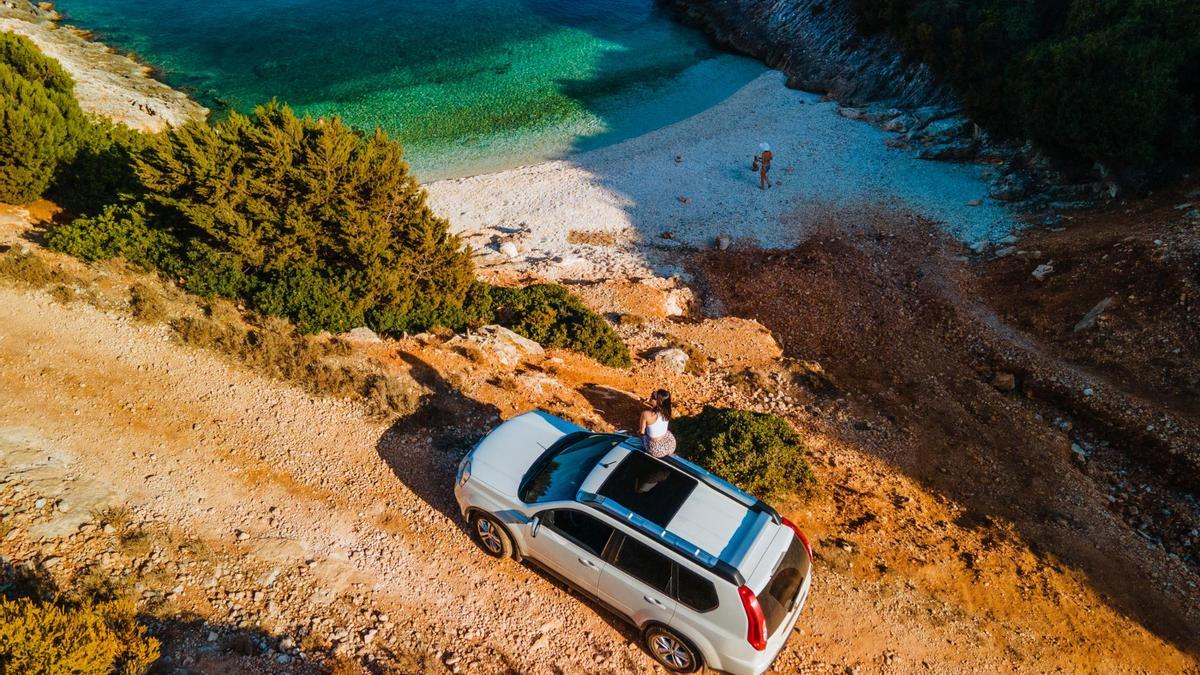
[(816, 44)]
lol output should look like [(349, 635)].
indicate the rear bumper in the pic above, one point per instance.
[(751, 662)]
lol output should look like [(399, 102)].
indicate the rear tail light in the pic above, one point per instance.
[(756, 633), (800, 535)]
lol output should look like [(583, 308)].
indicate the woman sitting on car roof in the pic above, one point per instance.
[(656, 438)]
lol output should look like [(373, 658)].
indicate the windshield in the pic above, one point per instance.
[(558, 474)]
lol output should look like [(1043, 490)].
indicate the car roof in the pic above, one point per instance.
[(689, 509)]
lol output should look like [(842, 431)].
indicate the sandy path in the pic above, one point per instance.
[(827, 166)]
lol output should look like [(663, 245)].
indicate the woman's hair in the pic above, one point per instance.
[(660, 402)]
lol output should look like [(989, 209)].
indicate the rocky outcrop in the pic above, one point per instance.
[(816, 43)]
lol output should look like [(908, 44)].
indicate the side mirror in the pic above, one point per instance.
[(535, 525)]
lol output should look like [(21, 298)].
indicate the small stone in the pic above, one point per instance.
[(1042, 271), (212, 636), (242, 536), (723, 242), (39, 503), (975, 202), (1005, 382), (1093, 315), (510, 249)]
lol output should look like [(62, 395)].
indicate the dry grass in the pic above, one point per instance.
[(592, 238), (632, 320), (27, 268), (147, 303), (273, 347)]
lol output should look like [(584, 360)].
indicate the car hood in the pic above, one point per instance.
[(504, 456)]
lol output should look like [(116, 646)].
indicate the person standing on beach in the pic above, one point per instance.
[(762, 164)]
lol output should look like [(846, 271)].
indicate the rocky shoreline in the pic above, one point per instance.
[(107, 83)]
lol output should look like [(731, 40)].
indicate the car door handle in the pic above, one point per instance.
[(654, 601), (587, 563)]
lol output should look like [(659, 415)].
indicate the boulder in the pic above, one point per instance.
[(505, 346), (673, 358), (362, 334)]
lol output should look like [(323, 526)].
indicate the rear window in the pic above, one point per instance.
[(695, 591), (781, 593)]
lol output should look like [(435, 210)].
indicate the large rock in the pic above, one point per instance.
[(362, 334), (501, 344), (673, 358)]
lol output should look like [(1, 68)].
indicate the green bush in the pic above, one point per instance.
[(102, 171), (45, 638), (758, 452), (549, 315), (41, 123), (118, 231), (1113, 80)]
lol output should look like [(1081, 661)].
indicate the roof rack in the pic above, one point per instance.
[(671, 540)]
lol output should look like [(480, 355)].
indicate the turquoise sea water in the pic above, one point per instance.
[(469, 86)]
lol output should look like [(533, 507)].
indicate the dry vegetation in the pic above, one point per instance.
[(322, 365)]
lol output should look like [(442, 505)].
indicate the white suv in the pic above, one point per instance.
[(710, 575)]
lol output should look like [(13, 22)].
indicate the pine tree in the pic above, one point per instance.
[(41, 123), (328, 221)]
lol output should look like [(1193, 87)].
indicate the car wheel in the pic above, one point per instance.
[(673, 652), (491, 536)]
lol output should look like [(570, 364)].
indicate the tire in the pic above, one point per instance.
[(491, 536), (671, 651)]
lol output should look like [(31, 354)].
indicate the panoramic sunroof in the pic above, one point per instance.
[(648, 487)]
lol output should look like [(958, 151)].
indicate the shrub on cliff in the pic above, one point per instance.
[(758, 452), (41, 124), (1116, 81), (42, 637), (550, 315)]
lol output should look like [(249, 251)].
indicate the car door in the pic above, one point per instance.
[(570, 543), (637, 581)]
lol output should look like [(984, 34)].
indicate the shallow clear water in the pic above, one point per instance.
[(468, 85)]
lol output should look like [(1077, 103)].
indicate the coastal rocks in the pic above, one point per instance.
[(505, 346), (816, 43)]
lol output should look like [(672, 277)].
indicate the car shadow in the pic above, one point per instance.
[(448, 423)]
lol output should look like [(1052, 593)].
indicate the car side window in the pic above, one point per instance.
[(695, 591), (644, 563), (582, 529)]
